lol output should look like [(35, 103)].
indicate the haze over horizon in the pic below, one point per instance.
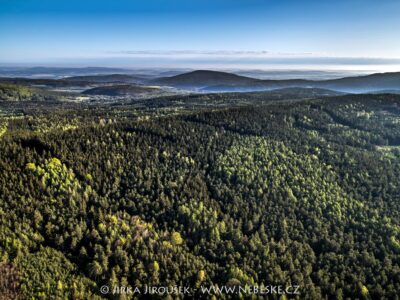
[(273, 35)]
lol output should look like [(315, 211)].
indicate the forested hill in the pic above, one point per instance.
[(303, 193), (120, 90), (214, 81), (13, 93), (111, 78), (202, 78)]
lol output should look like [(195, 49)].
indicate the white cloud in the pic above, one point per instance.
[(208, 53)]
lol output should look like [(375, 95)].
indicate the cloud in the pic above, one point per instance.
[(241, 57), (216, 53), (252, 57)]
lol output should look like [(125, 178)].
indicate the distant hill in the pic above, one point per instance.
[(213, 81), (368, 83), (203, 78), (291, 92), (259, 85), (305, 92), (386, 92), (111, 78), (172, 73), (59, 71), (120, 90), (42, 82), (73, 81)]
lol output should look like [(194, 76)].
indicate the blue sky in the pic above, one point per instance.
[(206, 33)]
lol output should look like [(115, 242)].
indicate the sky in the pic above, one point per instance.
[(280, 34)]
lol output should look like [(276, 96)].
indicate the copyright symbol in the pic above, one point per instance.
[(104, 289)]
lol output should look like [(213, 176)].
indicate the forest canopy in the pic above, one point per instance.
[(281, 193)]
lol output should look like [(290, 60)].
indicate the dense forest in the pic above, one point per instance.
[(285, 193), (11, 92)]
